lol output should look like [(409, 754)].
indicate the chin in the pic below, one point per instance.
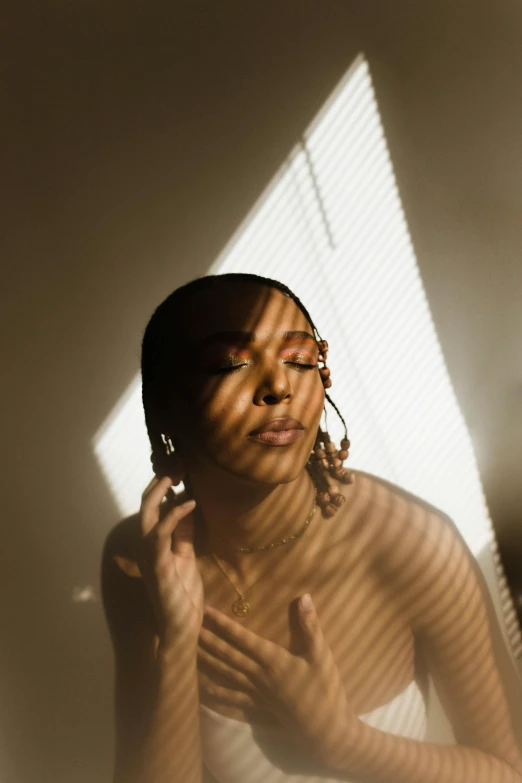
[(261, 465), (283, 471)]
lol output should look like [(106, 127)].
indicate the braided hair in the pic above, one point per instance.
[(157, 371)]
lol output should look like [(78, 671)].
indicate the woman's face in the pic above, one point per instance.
[(250, 358)]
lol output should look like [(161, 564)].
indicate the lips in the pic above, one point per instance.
[(278, 425)]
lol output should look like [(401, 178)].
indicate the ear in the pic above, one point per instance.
[(129, 567)]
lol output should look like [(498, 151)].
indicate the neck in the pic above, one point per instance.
[(236, 514)]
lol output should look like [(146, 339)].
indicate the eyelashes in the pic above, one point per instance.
[(233, 368)]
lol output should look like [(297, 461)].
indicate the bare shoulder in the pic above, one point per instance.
[(435, 578), (421, 556), (391, 512), (126, 604), (121, 546), (408, 535)]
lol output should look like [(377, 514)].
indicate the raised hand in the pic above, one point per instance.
[(167, 563), (304, 692)]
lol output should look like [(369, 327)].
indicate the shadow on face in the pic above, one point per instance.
[(248, 356)]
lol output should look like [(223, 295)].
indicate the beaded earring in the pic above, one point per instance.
[(324, 371), (326, 457)]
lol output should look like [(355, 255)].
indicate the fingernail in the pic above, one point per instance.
[(188, 504), (306, 602)]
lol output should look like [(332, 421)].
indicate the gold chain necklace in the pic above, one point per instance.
[(241, 606)]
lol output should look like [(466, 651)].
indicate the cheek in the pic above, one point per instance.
[(206, 413), (227, 414), (227, 409), (223, 415), (310, 401)]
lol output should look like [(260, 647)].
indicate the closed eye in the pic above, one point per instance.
[(224, 370)]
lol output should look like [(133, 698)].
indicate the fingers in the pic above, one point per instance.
[(260, 650), (176, 468), (212, 666), (150, 502), (221, 650), (176, 473), (234, 698), (149, 486), (157, 499), (158, 541)]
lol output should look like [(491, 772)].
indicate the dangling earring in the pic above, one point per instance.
[(169, 446), (316, 465), (326, 456), (162, 455), (331, 458), (324, 371)]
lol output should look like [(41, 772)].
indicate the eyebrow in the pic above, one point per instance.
[(250, 337)]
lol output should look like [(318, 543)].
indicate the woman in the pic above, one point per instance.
[(222, 673)]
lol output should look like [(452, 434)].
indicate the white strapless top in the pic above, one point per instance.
[(238, 752)]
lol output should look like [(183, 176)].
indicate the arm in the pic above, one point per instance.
[(156, 695), (452, 614), (171, 748)]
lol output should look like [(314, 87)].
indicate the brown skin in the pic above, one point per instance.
[(247, 492), (384, 619)]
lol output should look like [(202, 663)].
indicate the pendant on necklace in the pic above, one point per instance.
[(240, 607)]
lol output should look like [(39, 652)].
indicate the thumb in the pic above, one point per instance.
[(184, 536), (310, 623)]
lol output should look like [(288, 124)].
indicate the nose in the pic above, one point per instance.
[(274, 387)]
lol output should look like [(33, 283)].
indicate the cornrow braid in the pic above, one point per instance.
[(158, 375), (336, 409)]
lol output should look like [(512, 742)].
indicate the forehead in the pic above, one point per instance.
[(242, 306)]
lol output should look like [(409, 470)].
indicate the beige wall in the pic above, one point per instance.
[(136, 137)]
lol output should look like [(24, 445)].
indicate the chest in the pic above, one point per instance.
[(371, 642)]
